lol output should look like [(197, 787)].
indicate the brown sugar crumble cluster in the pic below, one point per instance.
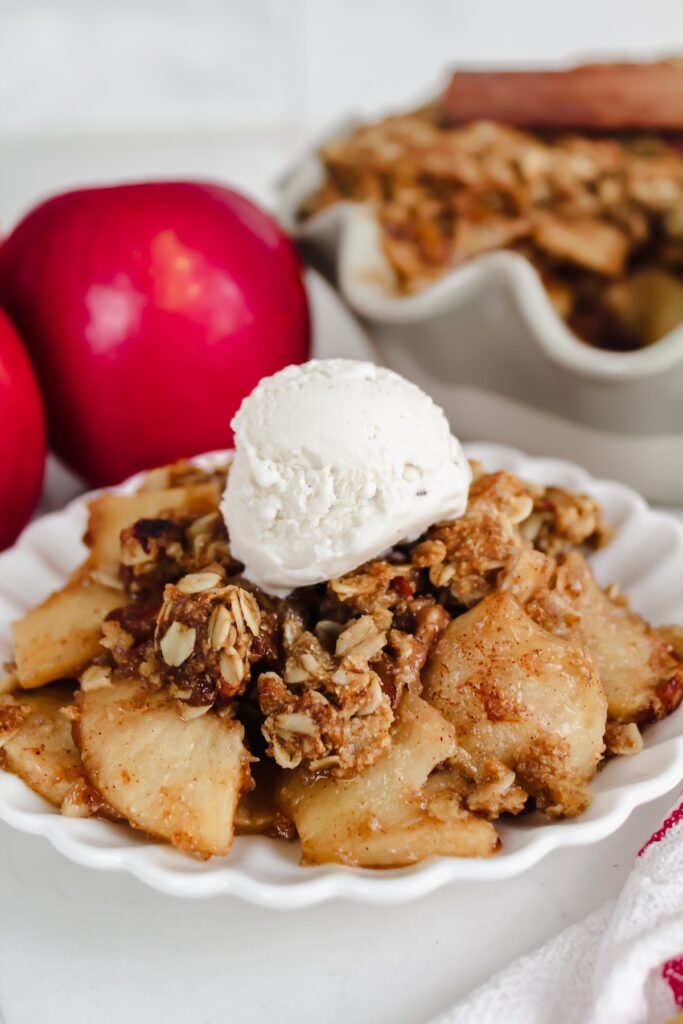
[(599, 215)]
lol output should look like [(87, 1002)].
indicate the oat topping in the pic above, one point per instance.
[(156, 551), (562, 519), (177, 643), (329, 710), (331, 669), (204, 635), (324, 671), (377, 589), (505, 518), (95, 677), (107, 576)]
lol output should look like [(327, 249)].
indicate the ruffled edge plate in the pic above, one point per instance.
[(646, 560)]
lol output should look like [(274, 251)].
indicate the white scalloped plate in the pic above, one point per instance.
[(646, 559)]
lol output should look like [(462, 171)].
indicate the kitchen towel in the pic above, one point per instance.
[(622, 965)]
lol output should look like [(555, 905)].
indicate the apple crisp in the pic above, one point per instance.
[(385, 716), (597, 212)]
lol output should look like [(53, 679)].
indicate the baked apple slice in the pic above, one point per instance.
[(61, 635), (39, 748), (178, 780), (640, 671), (521, 700), (382, 817)]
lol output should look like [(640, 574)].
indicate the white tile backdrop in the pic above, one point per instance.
[(107, 90), (82, 66)]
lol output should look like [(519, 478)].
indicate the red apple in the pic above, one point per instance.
[(22, 435), (150, 311)]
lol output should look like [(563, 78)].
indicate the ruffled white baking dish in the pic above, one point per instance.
[(487, 343), (646, 559)]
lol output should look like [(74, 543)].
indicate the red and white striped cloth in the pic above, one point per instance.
[(622, 965)]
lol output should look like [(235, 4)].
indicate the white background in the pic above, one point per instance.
[(107, 89), (78, 947), (68, 66), (99, 91)]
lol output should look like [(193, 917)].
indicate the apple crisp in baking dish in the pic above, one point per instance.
[(573, 170)]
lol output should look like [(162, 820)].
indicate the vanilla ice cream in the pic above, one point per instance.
[(335, 462)]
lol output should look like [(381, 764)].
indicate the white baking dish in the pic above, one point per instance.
[(486, 341)]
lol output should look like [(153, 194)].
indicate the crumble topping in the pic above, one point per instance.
[(203, 637), (322, 672), (328, 708), (154, 551)]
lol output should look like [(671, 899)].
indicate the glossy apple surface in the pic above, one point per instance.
[(150, 311), (22, 435)]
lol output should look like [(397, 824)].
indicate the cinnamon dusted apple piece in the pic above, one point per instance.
[(608, 96), (257, 812), (39, 749), (673, 635), (61, 635), (641, 673), (523, 701), (649, 303), (585, 241), (389, 815), (176, 777)]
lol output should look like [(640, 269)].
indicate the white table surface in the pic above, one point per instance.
[(79, 946)]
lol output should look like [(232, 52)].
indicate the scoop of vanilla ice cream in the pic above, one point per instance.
[(336, 461)]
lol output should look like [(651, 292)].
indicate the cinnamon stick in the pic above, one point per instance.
[(613, 97)]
